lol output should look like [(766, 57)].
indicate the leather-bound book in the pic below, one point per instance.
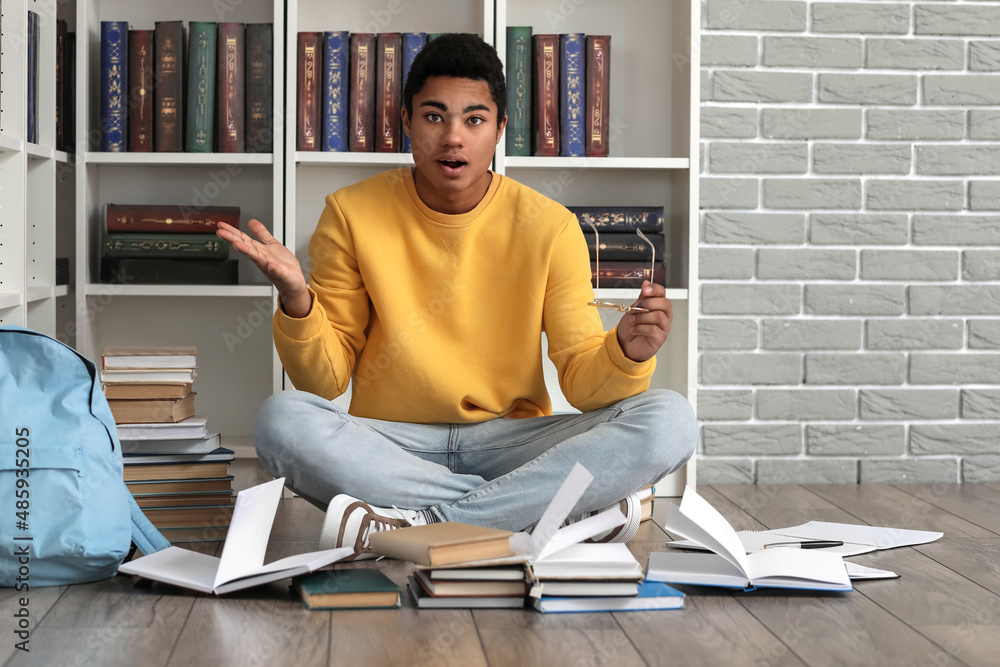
[(114, 80), (310, 52), (157, 218), (140, 90), (619, 218), (572, 89), (388, 92), (260, 87), (546, 97), (168, 97), (362, 93), (624, 274), (199, 130), (336, 79), (230, 119), (413, 43), (519, 65), (598, 51)]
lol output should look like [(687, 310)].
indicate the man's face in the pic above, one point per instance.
[(453, 133)]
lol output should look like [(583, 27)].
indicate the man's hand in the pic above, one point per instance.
[(640, 334), (275, 261)]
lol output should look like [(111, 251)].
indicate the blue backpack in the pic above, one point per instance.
[(66, 515)]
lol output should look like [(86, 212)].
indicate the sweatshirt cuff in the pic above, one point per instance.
[(300, 328), (629, 367)]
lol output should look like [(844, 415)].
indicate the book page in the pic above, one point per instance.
[(249, 529), (697, 520)]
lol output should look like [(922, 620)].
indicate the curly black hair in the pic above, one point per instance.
[(462, 55)]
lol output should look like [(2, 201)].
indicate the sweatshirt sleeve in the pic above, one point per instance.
[(319, 350), (593, 370)]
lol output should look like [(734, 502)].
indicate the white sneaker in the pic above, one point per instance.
[(631, 507), (350, 521)]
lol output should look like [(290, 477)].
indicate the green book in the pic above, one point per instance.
[(200, 118), (362, 588), (199, 246), (184, 271), (431, 36), (519, 63)]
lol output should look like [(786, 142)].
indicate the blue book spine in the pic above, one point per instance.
[(336, 78), (412, 43), (572, 87), (33, 35), (114, 60)]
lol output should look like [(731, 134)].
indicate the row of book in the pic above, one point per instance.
[(64, 81), (175, 469), (619, 257), (557, 93), (213, 95)]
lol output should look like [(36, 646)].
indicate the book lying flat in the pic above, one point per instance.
[(729, 565), (155, 487), (192, 427), (141, 390), (425, 601), (148, 375), (133, 356), (207, 470), (442, 543), (597, 588), (651, 596), (151, 410), (241, 564), (181, 447), (361, 588), (217, 454), (469, 587)]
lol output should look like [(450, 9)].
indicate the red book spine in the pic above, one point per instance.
[(170, 219), (140, 87), (309, 80), (230, 69), (389, 92), (598, 50), (169, 93), (546, 97), (362, 92)]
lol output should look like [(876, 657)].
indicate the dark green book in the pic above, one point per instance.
[(196, 246), (200, 118), (128, 271), (519, 63), (347, 589)]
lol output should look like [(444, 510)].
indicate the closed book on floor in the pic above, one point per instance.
[(192, 427), (360, 588), (425, 601), (150, 410), (651, 596), (190, 517), (163, 471), (155, 487), (193, 446), (217, 454), (596, 588), (442, 543), (469, 588), (185, 499)]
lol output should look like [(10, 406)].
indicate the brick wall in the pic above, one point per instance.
[(850, 241)]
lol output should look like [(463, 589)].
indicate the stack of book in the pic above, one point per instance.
[(623, 257), (469, 587), (557, 93), (159, 244), (175, 469), (216, 95)]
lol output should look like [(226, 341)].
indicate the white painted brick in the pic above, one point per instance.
[(860, 17), (854, 299), (950, 368), (981, 469), (939, 54), (954, 300), (728, 50), (858, 229), (725, 263), (806, 264), (908, 195), (981, 265), (755, 15), (984, 56), (725, 471), (956, 230), (782, 123), (754, 228), (908, 404), (812, 52), (984, 124), (812, 193), (756, 439), (725, 404), (955, 160), (954, 438), (861, 158), (855, 369), (750, 299), (717, 192), (976, 403), (748, 368), (715, 333), (706, 85), (915, 124), (728, 123), (914, 334), (984, 195), (909, 265), (758, 158), (984, 334), (806, 404), (854, 440), (900, 89), (801, 471), (813, 334), (909, 471), (761, 86), (951, 19), (961, 89)]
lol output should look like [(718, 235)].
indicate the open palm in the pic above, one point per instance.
[(275, 261)]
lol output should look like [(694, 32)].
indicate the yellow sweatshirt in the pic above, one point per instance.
[(439, 318)]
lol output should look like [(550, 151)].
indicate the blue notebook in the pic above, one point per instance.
[(653, 596)]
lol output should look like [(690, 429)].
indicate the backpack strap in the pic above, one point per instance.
[(144, 533)]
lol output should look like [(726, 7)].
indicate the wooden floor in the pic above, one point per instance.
[(944, 610)]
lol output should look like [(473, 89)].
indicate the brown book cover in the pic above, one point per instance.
[(140, 91), (546, 95), (362, 92), (149, 356), (151, 410), (230, 68), (442, 543), (260, 86), (185, 499), (168, 87), (155, 487), (310, 90), (170, 218), (147, 390), (598, 69), (388, 92), (175, 471), (623, 274), (189, 517)]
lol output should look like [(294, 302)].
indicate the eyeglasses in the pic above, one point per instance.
[(597, 303)]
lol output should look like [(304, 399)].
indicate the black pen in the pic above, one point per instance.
[(814, 544)]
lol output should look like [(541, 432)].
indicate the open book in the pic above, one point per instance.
[(729, 564), (242, 562)]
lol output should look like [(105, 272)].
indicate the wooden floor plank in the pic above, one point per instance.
[(782, 506), (975, 558), (31, 605), (119, 602), (976, 503), (110, 646)]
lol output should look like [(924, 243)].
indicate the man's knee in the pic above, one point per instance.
[(672, 428), (275, 422)]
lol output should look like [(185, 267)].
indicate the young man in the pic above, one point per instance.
[(429, 292)]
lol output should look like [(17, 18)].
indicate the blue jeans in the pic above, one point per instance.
[(500, 473)]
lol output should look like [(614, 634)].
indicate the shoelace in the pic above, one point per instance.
[(378, 523)]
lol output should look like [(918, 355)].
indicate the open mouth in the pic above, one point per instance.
[(452, 164)]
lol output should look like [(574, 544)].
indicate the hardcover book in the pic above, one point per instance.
[(154, 487), (150, 410), (360, 588), (388, 92), (651, 596), (598, 53), (623, 246), (217, 454), (185, 499), (336, 78), (34, 37), (211, 470), (189, 517), (200, 246), (310, 51), (69, 94), (545, 100), (259, 87), (199, 123), (146, 390), (61, 64), (627, 275), (140, 89), (180, 446), (168, 112), (439, 587), (572, 89), (148, 356), (519, 66), (413, 42), (442, 543), (114, 81), (362, 105), (619, 218), (167, 218), (147, 376), (131, 271), (230, 117), (425, 601)]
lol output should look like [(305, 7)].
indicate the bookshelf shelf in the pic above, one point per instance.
[(38, 293), (179, 159), (387, 160), (9, 300), (63, 157), (9, 143), (215, 291), (61, 290), (40, 152), (615, 163)]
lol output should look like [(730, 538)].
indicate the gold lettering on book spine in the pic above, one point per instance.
[(597, 118), (231, 81), (309, 84), (143, 82), (549, 83), (390, 80), (521, 92), (362, 80)]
